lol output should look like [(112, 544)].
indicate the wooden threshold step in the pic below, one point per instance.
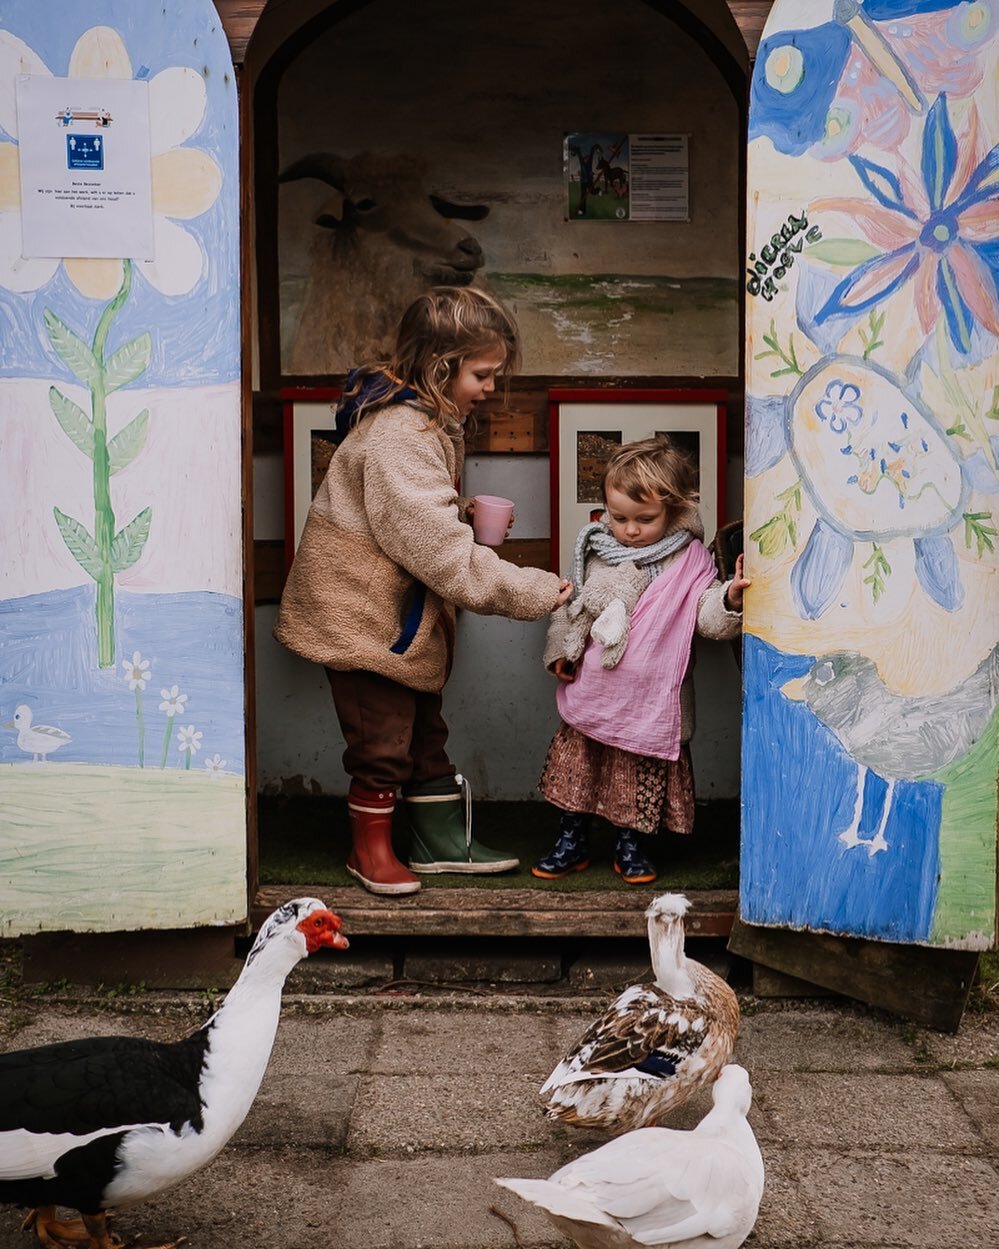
[(475, 912)]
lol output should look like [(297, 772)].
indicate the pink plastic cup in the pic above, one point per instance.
[(491, 519)]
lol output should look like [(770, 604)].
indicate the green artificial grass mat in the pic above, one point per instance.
[(304, 841)]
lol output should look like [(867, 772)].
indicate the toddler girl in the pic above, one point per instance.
[(626, 700)]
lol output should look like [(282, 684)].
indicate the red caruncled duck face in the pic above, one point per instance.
[(323, 928)]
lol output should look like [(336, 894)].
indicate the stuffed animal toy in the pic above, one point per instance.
[(602, 609)]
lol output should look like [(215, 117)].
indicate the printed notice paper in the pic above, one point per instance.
[(86, 183), (612, 176)]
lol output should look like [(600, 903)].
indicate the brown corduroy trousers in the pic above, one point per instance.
[(395, 736)]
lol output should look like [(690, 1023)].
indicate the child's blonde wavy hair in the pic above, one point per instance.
[(653, 469), (439, 331)]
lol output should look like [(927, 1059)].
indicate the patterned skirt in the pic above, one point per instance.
[(629, 791)]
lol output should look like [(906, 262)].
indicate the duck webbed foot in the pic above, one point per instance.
[(56, 1233)]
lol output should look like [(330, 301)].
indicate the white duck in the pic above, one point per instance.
[(653, 1047), (37, 740), (110, 1121), (659, 1188)]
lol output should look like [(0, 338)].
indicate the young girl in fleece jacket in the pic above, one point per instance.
[(621, 650), (386, 557)]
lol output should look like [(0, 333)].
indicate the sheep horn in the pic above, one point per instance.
[(462, 212), (322, 165)]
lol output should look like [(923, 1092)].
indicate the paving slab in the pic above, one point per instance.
[(469, 1114), (886, 1112), (54, 1025), (426, 1042), (822, 1040), (571, 1024), (311, 1111), (909, 1200), (785, 1221), (975, 1043), (340, 1043), (267, 1198), (441, 1203), (978, 1094)]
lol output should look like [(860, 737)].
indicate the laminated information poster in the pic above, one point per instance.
[(84, 149)]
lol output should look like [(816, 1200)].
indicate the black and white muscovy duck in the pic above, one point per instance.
[(655, 1045), (110, 1121)]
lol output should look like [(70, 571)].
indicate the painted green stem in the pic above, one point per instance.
[(140, 725), (166, 741), (103, 511)]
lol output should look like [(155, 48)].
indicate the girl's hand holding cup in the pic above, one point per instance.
[(491, 517)]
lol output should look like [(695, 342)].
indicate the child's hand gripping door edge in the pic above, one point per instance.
[(737, 586)]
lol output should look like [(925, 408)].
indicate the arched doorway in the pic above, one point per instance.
[(634, 305)]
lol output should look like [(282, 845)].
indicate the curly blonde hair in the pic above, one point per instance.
[(439, 331), (654, 468)]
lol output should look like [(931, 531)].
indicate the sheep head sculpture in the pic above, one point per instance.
[(603, 608), (383, 239)]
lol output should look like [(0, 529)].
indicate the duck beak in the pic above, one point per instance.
[(795, 689), (9, 724)]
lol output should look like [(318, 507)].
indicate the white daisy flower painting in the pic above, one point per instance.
[(121, 481)]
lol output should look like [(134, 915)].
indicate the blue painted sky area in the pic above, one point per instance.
[(48, 661), (799, 791), (195, 336)]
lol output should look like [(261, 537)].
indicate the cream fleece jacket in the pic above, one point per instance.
[(385, 558)]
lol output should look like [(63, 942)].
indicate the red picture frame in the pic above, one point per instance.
[(585, 425), (307, 412)]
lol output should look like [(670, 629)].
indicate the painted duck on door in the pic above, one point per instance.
[(871, 669), (121, 616)]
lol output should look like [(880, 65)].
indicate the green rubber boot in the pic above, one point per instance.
[(440, 822)]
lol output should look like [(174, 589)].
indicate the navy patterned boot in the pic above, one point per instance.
[(571, 853), (629, 862)]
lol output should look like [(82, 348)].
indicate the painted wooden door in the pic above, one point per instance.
[(122, 783), (872, 492)]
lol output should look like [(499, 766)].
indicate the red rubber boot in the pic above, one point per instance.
[(372, 860)]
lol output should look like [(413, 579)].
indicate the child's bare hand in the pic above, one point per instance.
[(565, 670), (565, 589), (736, 587)]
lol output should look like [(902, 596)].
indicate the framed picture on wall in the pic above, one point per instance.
[(588, 425), (308, 448)]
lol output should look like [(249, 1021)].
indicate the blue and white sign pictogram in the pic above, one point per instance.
[(84, 151)]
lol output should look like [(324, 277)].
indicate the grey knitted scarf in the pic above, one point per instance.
[(598, 538)]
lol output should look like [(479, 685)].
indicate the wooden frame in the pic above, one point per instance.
[(695, 417), (308, 411)]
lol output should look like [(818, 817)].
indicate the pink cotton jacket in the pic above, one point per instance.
[(712, 620), (385, 558)]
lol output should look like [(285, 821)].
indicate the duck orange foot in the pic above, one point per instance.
[(91, 1232), (56, 1233)]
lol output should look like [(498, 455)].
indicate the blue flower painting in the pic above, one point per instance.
[(871, 733)]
